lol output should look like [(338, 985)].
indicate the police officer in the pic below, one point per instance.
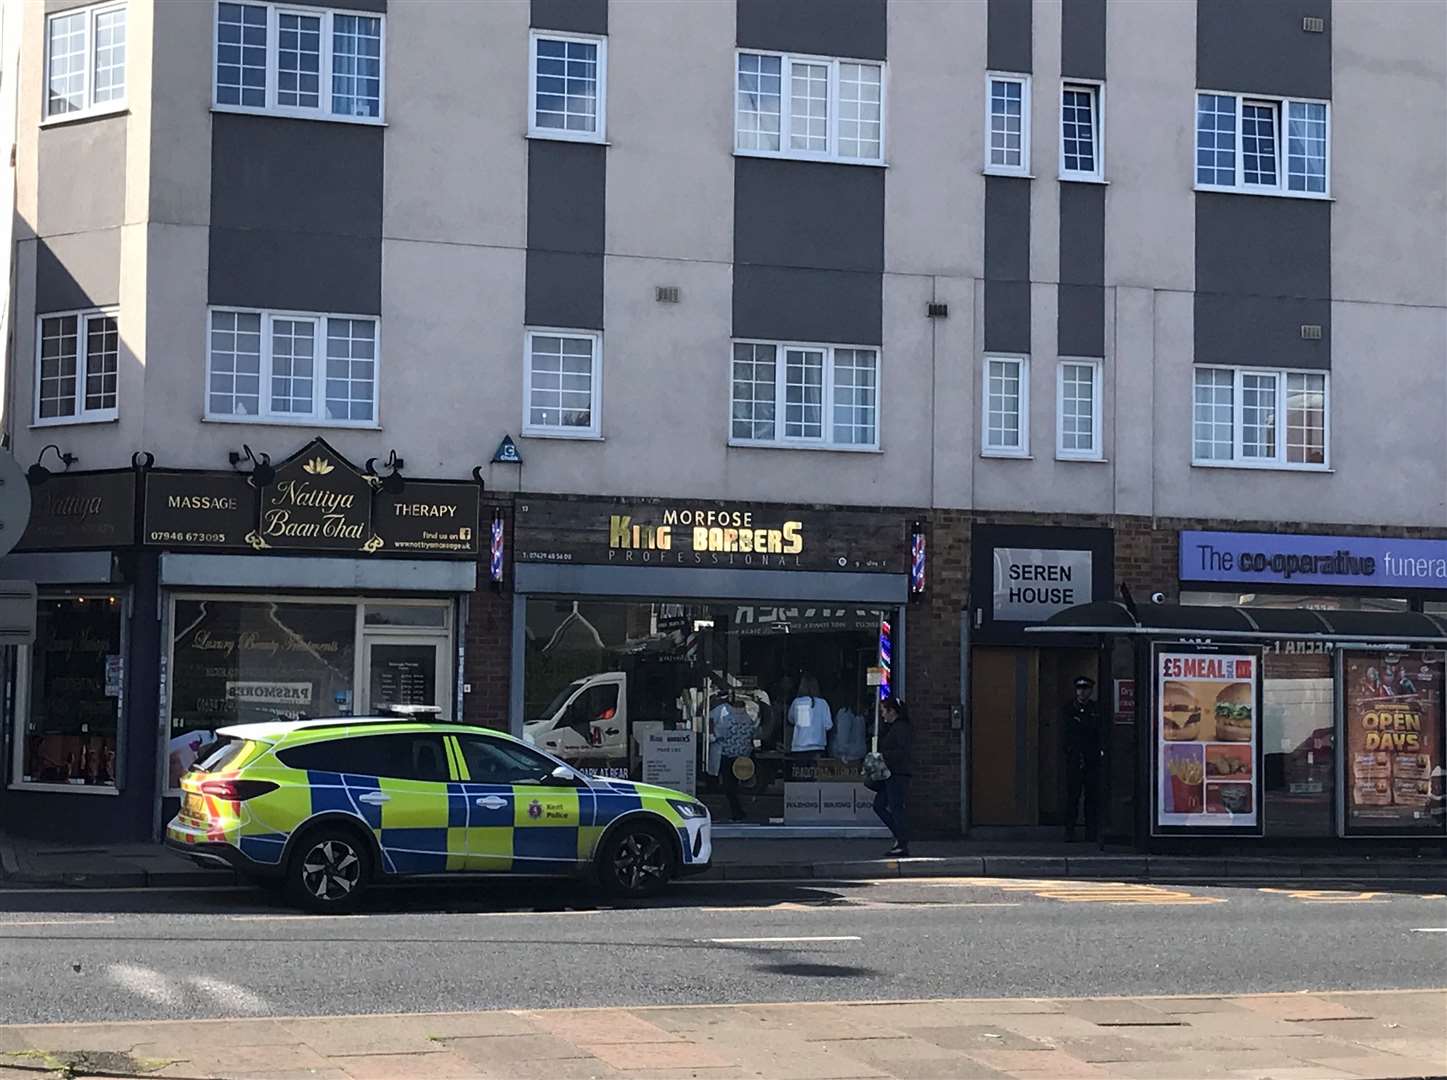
[(1082, 755)]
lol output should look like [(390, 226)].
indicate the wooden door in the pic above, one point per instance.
[(1004, 736)]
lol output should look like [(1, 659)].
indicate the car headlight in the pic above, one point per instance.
[(689, 809)]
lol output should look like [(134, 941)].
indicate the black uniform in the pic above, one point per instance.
[(1082, 761)]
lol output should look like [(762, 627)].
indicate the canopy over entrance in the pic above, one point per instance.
[(1247, 624)]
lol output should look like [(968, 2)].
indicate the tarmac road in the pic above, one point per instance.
[(75, 955)]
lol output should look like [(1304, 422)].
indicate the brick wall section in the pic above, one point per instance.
[(487, 663)]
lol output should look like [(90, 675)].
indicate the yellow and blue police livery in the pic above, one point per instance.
[(330, 805)]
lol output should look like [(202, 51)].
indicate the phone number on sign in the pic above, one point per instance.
[(187, 538)]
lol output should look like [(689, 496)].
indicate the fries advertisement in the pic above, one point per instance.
[(1393, 764), (1207, 739)]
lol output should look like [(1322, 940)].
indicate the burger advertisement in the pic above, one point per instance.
[(1207, 740), (1393, 769)]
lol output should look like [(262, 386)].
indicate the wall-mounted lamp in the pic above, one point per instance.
[(142, 460), (37, 474), (394, 481), (261, 472)]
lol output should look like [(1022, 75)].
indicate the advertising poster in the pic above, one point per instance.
[(1208, 733), (1393, 763)]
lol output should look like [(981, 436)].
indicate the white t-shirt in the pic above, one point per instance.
[(812, 720)]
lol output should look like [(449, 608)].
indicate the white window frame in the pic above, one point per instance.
[(1282, 105), (1097, 449), (535, 132), (1022, 450), (1023, 169), (542, 431), (90, 108), (1097, 128), (323, 111), (318, 416), (787, 60), (781, 395), (1279, 462), (82, 415)]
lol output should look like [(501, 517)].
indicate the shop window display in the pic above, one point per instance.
[(73, 693), (774, 698), (236, 662)]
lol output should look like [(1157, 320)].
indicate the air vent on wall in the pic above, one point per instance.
[(1313, 24), (938, 311), (1311, 331), (666, 294)]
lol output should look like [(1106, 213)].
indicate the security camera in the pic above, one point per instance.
[(1158, 598)]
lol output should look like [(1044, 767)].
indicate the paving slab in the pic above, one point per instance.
[(435, 1065), (916, 1014), (471, 1025), (1037, 1063), (563, 1069), (1118, 1013), (655, 1055), (971, 1037), (497, 1050), (1300, 1007), (350, 1036), (598, 1026)]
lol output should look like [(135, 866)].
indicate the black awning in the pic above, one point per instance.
[(1260, 624)]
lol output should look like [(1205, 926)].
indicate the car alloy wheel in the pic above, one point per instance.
[(331, 870), (640, 862)]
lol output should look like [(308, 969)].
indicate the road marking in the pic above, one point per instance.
[(1106, 892), (1331, 896), (1429, 930), (774, 940), (55, 922)]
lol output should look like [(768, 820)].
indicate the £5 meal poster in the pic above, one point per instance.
[(1208, 732)]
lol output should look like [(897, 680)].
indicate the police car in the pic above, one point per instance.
[(330, 806)]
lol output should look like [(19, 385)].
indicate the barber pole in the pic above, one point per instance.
[(886, 651), (495, 566), (916, 560)]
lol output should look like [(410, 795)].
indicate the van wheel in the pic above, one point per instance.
[(329, 872), (637, 860)]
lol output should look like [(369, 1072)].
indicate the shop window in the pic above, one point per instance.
[(602, 677), (70, 693), (242, 661), (406, 616)]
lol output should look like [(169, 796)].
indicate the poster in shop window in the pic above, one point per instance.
[(1207, 719), (1393, 764)]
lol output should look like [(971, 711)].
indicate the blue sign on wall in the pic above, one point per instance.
[(1343, 561)]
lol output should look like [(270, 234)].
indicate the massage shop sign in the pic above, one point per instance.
[(316, 501), (703, 535)]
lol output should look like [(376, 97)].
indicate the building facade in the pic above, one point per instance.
[(1049, 284)]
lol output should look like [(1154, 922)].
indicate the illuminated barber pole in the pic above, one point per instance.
[(916, 560), (495, 566), (886, 652)]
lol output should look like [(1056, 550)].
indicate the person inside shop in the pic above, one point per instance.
[(891, 799), (731, 743), (1082, 755), (849, 740), (811, 720)]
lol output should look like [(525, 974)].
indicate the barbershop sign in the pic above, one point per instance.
[(734, 536), (1278, 559)]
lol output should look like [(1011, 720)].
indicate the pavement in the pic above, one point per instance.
[(1325, 1036), (29, 864)]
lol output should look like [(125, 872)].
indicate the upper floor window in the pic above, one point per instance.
[(85, 61), (1272, 146), (787, 394), (308, 62), (77, 365), (812, 107), (1254, 417), (1078, 436), (567, 86), (563, 383), (1005, 403), (1080, 132), (291, 366), (1007, 124)]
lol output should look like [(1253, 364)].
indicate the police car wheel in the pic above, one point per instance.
[(329, 872), (637, 860)]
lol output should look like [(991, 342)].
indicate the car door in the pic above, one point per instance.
[(517, 819), (398, 784)]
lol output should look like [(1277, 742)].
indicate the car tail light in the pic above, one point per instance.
[(236, 790)]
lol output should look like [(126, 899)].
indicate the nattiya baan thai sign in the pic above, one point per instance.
[(720, 535)]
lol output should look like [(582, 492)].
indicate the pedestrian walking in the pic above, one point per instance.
[(891, 800)]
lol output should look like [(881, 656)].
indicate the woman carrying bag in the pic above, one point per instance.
[(889, 778)]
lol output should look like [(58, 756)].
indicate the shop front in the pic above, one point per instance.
[(734, 651), (1238, 741), (1019, 763), (308, 588)]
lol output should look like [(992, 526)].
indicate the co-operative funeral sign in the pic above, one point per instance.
[(1357, 561)]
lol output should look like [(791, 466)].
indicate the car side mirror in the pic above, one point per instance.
[(562, 776)]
